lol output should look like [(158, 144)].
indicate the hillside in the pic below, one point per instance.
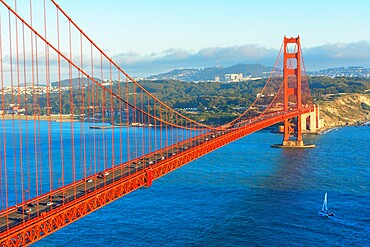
[(346, 109), (75, 82), (255, 70), (209, 74), (343, 100)]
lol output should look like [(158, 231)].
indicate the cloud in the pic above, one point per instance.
[(319, 57), (338, 55), (177, 58)]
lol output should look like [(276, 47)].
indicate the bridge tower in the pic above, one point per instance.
[(292, 90)]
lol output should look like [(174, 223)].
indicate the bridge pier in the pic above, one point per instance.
[(311, 122), (293, 135)]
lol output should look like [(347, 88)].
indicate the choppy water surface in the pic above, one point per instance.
[(245, 194)]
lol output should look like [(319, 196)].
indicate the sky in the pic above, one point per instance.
[(148, 37)]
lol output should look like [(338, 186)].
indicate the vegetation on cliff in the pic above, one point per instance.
[(345, 109), (343, 100)]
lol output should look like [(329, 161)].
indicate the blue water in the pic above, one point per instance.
[(245, 194), (73, 146)]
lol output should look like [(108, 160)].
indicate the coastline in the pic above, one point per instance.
[(53, 118), (326, 129)]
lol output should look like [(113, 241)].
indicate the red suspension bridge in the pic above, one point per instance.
[(77, 132)]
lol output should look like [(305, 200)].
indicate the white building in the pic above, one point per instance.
[(233, 77)]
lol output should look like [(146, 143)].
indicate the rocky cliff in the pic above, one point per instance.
[(345, 109)]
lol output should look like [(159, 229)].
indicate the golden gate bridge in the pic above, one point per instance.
[(77, 132)]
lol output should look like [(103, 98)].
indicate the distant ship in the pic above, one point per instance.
[(324, 210)]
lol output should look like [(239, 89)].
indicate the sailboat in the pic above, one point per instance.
[(324, 210)]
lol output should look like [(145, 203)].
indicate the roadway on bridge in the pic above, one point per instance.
[(65, 196)]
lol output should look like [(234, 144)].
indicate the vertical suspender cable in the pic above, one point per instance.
[(94, 105), (155, 126), (5, 172), (11, 108), (135, 119), (71, 103), (37, 122), (82, 115), (93, 113), (127, 112), (112, 112), (34, 107), (2, 155), (18, 104), (48, 105), (20, 145), (120, 122), (149, 122), (26, 106), (60, 106), (103, 158), (143, 146)]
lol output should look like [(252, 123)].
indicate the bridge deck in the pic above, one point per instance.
[(20, 214)]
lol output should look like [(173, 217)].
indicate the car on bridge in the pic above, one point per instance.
[(24, 209), (102, 175)]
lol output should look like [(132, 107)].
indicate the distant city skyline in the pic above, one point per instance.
[(149, 37)]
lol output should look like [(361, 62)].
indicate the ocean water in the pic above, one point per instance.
[(245, 194)]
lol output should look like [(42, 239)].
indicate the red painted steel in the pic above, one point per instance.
[(292, 86), (92, 170)]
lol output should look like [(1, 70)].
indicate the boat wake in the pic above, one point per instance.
[(354, 225)]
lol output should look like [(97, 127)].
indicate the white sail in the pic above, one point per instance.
[(325, 204), (324, 210)]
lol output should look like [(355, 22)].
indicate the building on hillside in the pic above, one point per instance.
[(233, 77)]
